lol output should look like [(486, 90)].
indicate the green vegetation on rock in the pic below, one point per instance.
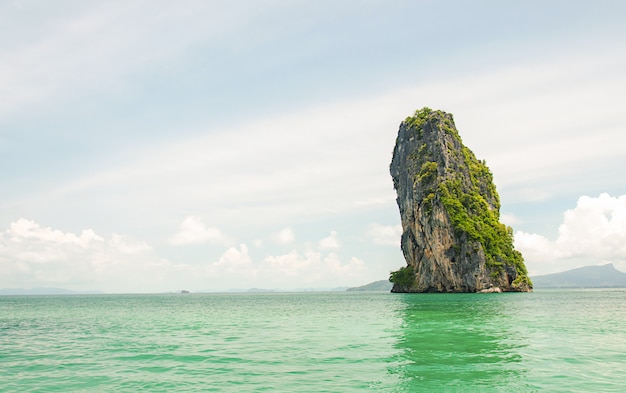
[(419, 118), (471, 214), (403, 277)]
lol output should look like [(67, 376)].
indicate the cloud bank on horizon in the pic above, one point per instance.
[(153, 146)]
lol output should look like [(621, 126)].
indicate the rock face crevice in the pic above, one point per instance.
[(452, 239)]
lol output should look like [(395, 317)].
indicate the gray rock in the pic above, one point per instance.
[(452, 239)]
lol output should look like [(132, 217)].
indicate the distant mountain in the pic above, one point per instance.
[(382, 285), (605, 276), (277, 290), (44, 291), (260, 290)]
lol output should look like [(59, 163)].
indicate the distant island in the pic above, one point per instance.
[(605, 276), (376, 286), (45, 291)]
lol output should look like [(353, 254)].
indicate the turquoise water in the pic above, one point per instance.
[(550, 341)]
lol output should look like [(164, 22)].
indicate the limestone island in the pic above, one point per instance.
[(452, 237)]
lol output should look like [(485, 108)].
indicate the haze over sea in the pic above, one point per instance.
[(546, 341)]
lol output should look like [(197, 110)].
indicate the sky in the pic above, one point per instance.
[(155, 146)]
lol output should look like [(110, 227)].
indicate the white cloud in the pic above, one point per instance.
[(32, 255), (33, 247), (233, 260), (291, 264), (595, 228), (23, 229), (330, 242), (387, 235), (592, 233), (36, 256), (537, 250), (312, 268), (284, 236), (333, 265), (194, 231)]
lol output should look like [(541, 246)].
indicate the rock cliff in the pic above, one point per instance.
[(452, 238)]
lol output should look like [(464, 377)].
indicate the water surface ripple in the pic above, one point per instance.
[(546, 341)]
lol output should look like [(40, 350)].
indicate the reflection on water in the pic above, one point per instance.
[(459, 342)]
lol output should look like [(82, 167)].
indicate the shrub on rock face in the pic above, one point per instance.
[(403, 278)]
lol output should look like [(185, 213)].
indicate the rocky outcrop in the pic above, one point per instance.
[(452, 239)]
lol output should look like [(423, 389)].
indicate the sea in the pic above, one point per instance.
[(545, 341)]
